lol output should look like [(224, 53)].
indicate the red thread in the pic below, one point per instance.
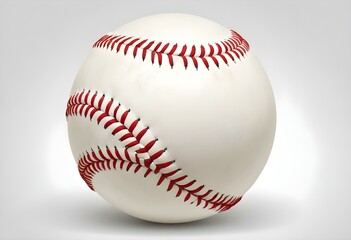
[(92, 162), (137, 47), (193, 50), (129, 44), (202, 54)]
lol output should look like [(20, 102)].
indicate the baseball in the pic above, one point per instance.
[(171, 118)]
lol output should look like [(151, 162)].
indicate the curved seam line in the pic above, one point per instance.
[(239, 49), (76, 107)]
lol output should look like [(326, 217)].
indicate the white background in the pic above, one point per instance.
[(304, 191)]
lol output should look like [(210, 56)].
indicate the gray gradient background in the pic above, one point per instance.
[(304, 191)]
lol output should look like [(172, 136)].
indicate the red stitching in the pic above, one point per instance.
[(235, 45), (138, 152)]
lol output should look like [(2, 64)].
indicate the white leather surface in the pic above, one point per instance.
[(218, 124)]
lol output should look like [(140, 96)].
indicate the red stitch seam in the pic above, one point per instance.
[(137, 152), (233, 47)]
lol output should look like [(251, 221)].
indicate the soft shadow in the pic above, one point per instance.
[(254, 213)]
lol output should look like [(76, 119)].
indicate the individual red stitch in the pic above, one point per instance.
[(118, 154), (160, 180), (219, 49), (236, 54), (108, 106), (170, 174), (195, 62), (170, 59), (116, 41), (185, 61), (137, 160), (137, 47), (137, 168), (129, 166), (211, 50), (174, 48), (224, 59), (204, 60), (157, 46), (132, 144), (101, 101), (230, 55), (87, 108), (118, 129), (187, 197), (147, 172), (86, 97), (198, 189), (93, 99), (215, 60), (149, 45), (121, 163), (126, 136), (159, 56), (189, 184), (153, 57), (119, 45), (93, 111), (124, 116), (114, 164), (115, 111), (179, 192), (182, 53), (141, 134), (164, 165), (127, 155), (193, 50), (133, 125), (202, 53), (102, 116), (154, 52), (170, 185), (164, 48), (130, 44), (145, 49), (156, 155), (108, 165), (180, 178)]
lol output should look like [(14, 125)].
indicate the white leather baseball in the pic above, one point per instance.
[(171, 118)]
